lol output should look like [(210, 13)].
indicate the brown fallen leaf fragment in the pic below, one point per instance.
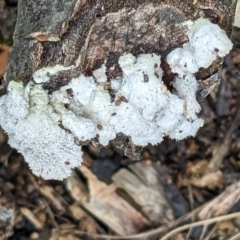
[(196, 169), (210, 181), (197, 175), (88, 225), (226, 229), (76, 211), (87, 159)]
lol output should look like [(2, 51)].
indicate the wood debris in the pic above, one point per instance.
[(146, 190), (109, 208)]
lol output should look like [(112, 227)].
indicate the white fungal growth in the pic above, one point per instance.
[(82, 128), (33, 129), (82, 85), (207, 41), (100, 74), (43, 75), (46, 128), (116, 84)]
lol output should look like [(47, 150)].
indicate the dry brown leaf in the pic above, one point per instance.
[(225, 228), (196, 169), (211, 181)]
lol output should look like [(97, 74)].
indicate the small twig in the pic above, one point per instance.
[(205, 227), (211, 233), (209, 214), (222, 149), (171, 225), (235, 237), (164, 228), (204, 222), (49, 211), (208, 217), (144, 235), (191, 205)]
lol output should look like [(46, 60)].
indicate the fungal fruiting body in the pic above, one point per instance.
[(46, 128)]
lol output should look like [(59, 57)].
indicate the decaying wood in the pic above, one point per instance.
[(86, 222), (146, 190), (54, 32), (237, 15), (77, 188), (85, 33), (105, 204), (215, 208)]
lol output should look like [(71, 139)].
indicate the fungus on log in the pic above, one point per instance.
[(99, 71)]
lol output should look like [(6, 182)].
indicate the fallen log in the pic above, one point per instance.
[(101, 72)]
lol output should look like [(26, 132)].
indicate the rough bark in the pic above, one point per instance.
[(85, 33)]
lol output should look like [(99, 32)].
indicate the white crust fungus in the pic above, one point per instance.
[(207, 41), (45, 128), (43, 75), (34, 130), (100, 74)]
